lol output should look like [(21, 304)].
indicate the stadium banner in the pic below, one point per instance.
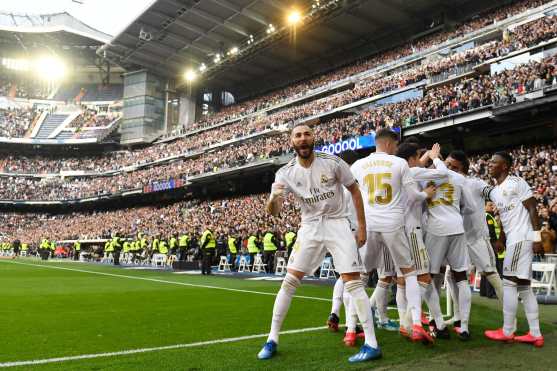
[(163, 185), (351, 144)]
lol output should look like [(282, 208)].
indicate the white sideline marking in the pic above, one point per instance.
[(154, 349), (165, 281)]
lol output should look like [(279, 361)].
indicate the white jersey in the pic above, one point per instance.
[(319, 188), (382, 178), (415, 208), (515, 219), (444, 209), (475, 225)]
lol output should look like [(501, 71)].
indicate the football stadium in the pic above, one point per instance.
[(278, 184)]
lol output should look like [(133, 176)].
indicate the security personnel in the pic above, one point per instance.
[(108, 248), (494, 232), (44, 249), (24, 246), (269, 250), (163, 248), (76, 250), (183, 243), (290, 240), (117, 246), (52, 248), (232, 250), (253, 249), (173, 244), (208, 245), (155, 245)]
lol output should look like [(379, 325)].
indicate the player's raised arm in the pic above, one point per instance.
[(274, 205)]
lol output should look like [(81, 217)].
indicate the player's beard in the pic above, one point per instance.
[(304, 150)]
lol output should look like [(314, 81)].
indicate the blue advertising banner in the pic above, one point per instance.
[(353, 144)]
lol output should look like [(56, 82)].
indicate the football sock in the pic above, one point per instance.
[(401, 304), (510, 304), (464, 303), (413, 297), (530, 309), (360, 301), (380, 298), (350, 311), (282, 303), (497, 285), (337, 296), (432, 299)]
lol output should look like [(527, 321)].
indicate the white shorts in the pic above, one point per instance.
[(482, 255), (450, 250), (420, 256), (518, 260), (316, 238), (390, 250)]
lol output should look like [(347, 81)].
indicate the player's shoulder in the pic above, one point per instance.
[(327, 157), (288, 166)]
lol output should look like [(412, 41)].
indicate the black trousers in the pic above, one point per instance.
[(269, 259), (76, 255), (207, 257), (233, 261)]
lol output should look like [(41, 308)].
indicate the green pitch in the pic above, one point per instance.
[(56, 313)]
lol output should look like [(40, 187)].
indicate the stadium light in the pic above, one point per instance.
[(190, 75), (294, 17), (217, 58), (270, 29), (203, 67), (50, 68), (233, 51)]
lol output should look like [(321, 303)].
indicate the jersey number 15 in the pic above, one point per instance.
[(379, 183)]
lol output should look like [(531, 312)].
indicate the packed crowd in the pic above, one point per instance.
[(15, 122), (482, 20), (542, 29), (240, 216), (245, 215), (89, 118), (438, 102), (21, 87)]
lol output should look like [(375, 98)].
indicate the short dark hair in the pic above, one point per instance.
[(461, 157), (414, 140), (407, 150), (386, 134), (505, 156)]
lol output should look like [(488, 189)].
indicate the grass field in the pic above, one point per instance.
[(57, 310)]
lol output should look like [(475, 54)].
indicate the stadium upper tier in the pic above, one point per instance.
[(452, 98), (239, 216), (418, 93)]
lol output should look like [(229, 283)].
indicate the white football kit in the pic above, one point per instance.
[(481, 252), (445, 238), (515, 219), (325, 225), (384, 179)]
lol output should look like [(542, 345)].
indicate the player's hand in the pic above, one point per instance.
[(277, 191), (361, 236), (434, 151), (538, 248), (430, 191), (499, 247)]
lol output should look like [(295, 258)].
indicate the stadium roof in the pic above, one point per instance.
[(173, 35), (46, 29)]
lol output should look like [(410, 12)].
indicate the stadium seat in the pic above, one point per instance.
[(223, 264), (244, 266), (258, 265), (107, 259), (327, 269), (280, 269), (170, 260), (159, 260), (547, 278), (477, 281)]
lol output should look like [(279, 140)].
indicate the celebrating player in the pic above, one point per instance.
[(317, 181), (521, 226)]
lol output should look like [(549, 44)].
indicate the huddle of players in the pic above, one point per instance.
[(419, 214)]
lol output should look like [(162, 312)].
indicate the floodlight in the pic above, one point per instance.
[(50, 68), (190, 75), (294, 17)]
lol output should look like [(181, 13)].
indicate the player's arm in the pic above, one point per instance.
[(530, 205), (409, 185), (354, 190), (278, 191)]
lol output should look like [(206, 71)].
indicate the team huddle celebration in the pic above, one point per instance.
[(407, 214), (287, 185)]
